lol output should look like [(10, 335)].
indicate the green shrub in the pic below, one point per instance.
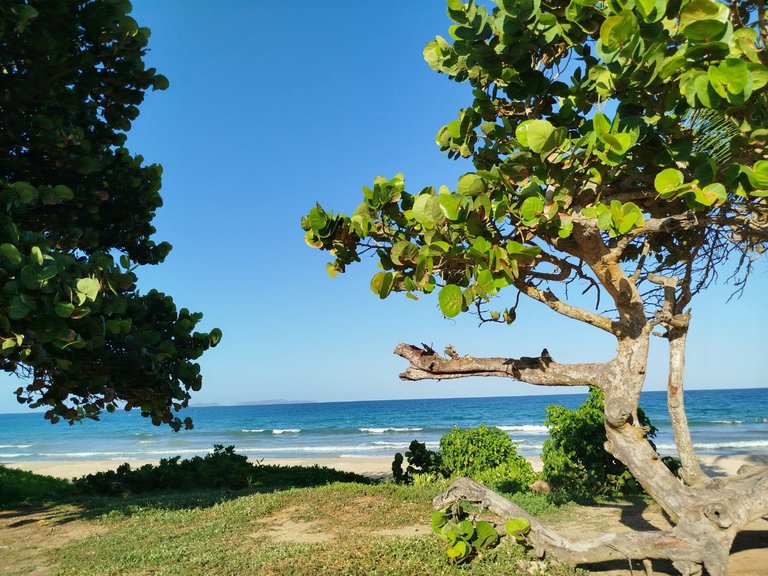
[(19, 487), (575, 461), (487, 454), (510, 477), (421, 461), (221, 469)]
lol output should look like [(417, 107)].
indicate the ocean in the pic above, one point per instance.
[(721, 421)]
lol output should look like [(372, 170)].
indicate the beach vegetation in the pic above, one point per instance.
[(489, 455), (222, 469), (466, 537), (77, 221), (575, 462), (333, 529), (617, 147), (20, 488), (422, 462)]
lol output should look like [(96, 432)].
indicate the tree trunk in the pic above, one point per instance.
[(707, 513), (690, 470)]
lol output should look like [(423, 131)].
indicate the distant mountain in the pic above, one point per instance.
[(252, 403)]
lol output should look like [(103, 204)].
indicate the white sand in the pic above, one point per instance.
[(375, 467)]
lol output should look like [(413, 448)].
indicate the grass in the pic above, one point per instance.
[(271, 528), (246, 535)]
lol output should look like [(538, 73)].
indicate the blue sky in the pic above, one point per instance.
[(274, 106)]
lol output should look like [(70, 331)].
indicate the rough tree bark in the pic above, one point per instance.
[(707, 512)]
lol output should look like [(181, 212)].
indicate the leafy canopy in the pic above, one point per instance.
[(76, 220), (644, 119)]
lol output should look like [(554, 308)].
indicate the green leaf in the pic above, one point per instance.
[(459, 551), (36, 255), (88, 288), (518, 527), (651, 10), (18, 309), (531, 209), (534, 134), (63, 193), (160, 82), (485, 534), (471, 185), (705, 31), (439, 519), (758, 176), (427, 210), (64, 309), (10, 253), (215, 336), (381, 284), (404, 252), (702, 10), (466, 530), (735, 73), (714, 193), (485, 282), (25, 191), (616, 31), (450, 300), (668, 181), (451, 205)]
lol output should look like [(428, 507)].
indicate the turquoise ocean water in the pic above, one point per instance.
[(722, 422)]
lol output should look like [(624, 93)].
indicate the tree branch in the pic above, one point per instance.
[(609, 546), (548, 298), (541, 370)]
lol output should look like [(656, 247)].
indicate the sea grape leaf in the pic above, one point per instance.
[(450, 300)]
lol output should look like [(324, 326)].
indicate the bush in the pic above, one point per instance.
[(486, 454), (575, 461), (18, 487), (471, 451), (222, 469), (421, 462)]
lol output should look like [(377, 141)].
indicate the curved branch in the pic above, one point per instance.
[(609, 546), (425, 364), (548, 298)]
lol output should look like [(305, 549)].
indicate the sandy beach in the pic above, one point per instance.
[(373, 467)]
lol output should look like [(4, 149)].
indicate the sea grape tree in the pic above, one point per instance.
[(76, 220), (619, 146)]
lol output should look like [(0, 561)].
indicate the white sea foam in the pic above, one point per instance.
[(385, 430), (16, 455), (527, 428), (727, 421), (15, 445), (255, 430), (286, 431), (733, 445)]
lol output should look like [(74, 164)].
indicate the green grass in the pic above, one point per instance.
[(271, 528), (236, 537)]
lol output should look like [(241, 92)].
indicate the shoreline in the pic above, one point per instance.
[(374, 467)]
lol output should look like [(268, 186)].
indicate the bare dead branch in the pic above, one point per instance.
[(540, 370)]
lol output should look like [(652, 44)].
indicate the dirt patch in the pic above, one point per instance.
[(405, 531), (288, 526), (293, 532), (26, 536)]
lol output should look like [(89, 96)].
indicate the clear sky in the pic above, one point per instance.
[(274, 106)]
